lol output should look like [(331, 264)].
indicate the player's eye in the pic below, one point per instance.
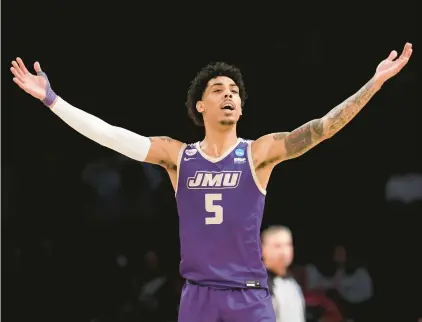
[(217, 90), (234, 91)]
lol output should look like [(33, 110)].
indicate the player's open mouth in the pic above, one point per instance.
[(228, 106)]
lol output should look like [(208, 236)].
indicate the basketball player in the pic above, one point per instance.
[(219, 182)]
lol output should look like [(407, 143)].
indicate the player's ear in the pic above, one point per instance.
[(241, 111), (199, 107)]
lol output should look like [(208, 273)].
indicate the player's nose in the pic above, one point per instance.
[(228, 95)]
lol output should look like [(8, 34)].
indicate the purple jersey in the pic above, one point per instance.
[(220, 205)]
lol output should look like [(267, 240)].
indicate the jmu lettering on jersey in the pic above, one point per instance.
[(214, 180)]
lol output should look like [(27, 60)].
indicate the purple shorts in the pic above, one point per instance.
[(207, 304)]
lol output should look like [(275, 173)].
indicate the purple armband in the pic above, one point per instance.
[(50, 96)]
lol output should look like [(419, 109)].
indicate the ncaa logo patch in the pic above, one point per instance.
[(239, 152)]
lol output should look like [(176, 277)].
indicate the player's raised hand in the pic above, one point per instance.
[(35, 85), (392, 65)]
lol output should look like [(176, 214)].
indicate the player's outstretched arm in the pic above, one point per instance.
[(158, 150), (281, 146)]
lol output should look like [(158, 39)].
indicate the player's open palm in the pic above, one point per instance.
[(391, 66), (32, 84)]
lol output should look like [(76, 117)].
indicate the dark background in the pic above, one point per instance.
[(130, 64)]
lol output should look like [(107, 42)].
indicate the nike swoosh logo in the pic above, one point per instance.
[(187, 159)]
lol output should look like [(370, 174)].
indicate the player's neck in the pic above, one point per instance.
[(216, 143)]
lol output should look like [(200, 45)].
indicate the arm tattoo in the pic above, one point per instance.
[(342, 114), (303, 138), (310, 134), (164, 163)]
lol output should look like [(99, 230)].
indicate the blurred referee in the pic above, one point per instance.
[(277, 252)]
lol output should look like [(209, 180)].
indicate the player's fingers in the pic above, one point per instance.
[(392, 55), (407, 50), (22, 65), (16, 73), (407, 53), (408, 46), (37, 67), (17, 68), (19, 83), (405, 58)]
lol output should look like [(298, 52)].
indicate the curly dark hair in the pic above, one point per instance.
[(200, 82)]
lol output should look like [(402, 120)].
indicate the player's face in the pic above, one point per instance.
[(221, 103), (278, 249)]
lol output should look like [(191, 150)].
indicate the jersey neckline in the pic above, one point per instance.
[(221, 157)]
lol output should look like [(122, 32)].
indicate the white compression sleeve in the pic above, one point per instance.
[(123, 141)]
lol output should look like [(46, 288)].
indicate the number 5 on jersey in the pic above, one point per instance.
[(210, 206)]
